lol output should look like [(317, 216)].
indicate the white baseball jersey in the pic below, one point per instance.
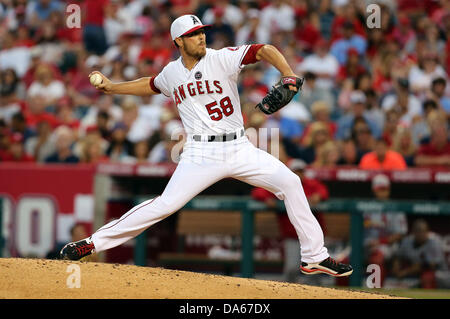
[(207, 96)]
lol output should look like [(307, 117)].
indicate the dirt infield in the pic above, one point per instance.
[(42, 279)]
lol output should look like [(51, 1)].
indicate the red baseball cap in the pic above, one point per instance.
[(16, 138), (321, 43), (352, 51)]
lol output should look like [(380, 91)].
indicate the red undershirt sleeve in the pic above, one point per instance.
[(153, 86), (250, 56)]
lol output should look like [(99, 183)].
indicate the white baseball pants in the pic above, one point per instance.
[(203, 164)]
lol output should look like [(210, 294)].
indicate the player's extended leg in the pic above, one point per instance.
[(261, 169), (187, 181)]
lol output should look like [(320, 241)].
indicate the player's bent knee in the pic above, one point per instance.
[(290, 182), (169, 205), (294, 181)]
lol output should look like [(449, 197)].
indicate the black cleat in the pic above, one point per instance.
[(329, 266), (77, 250)]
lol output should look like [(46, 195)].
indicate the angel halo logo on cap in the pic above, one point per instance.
[(195, 19)]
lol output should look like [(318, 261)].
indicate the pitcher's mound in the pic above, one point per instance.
[(42, 278)]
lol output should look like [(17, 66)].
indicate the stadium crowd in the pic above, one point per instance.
[(373, 97)]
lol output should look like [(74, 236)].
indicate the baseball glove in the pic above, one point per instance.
[(280, 95)]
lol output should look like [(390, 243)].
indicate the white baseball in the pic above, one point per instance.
[(96, 79)]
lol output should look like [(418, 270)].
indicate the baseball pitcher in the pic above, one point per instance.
[(203, 84)]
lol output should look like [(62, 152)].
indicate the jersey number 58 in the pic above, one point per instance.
[(216, 112)]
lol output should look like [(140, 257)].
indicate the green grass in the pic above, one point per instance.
[(410, 293)]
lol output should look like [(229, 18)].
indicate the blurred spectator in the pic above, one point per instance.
[(92, 151), (358, 110), (420, 130), (13, 13), (420, 256), (403, 102), (350, 39), (117, 20), (434, 39), (391, 123), (317, 136), (305, 34), (40, 10), (64, 142), (382, 158), (373, 108), (11, 56), (326, 16), (321, 113), (427, 69), (221, 33), (36, 55), (92, 135), (42, 145), (312, 93), (167, 119), (8, 108), (438, 87), (403, 144), (102, 125), (105, 103), (151, 109), (65, 113), (293, 118), (94, 37), (276, 18), (387, 67), (138, 128), (46, 86), (168, 150), (5, 140), (315, 192), (257, 121), (154, 51), (19, 125), (231, 14), (362, 136), (144, 22), (120, 147), (322, 64), (248, 33), (348, 153), (116, 71), (404, 34), (36, 112), (346, 15), (327, 155), (351, 69), (47, 39), (11, 87), (383, 231), (141, 151), (375, 42), (437, 151), (16, 152)]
